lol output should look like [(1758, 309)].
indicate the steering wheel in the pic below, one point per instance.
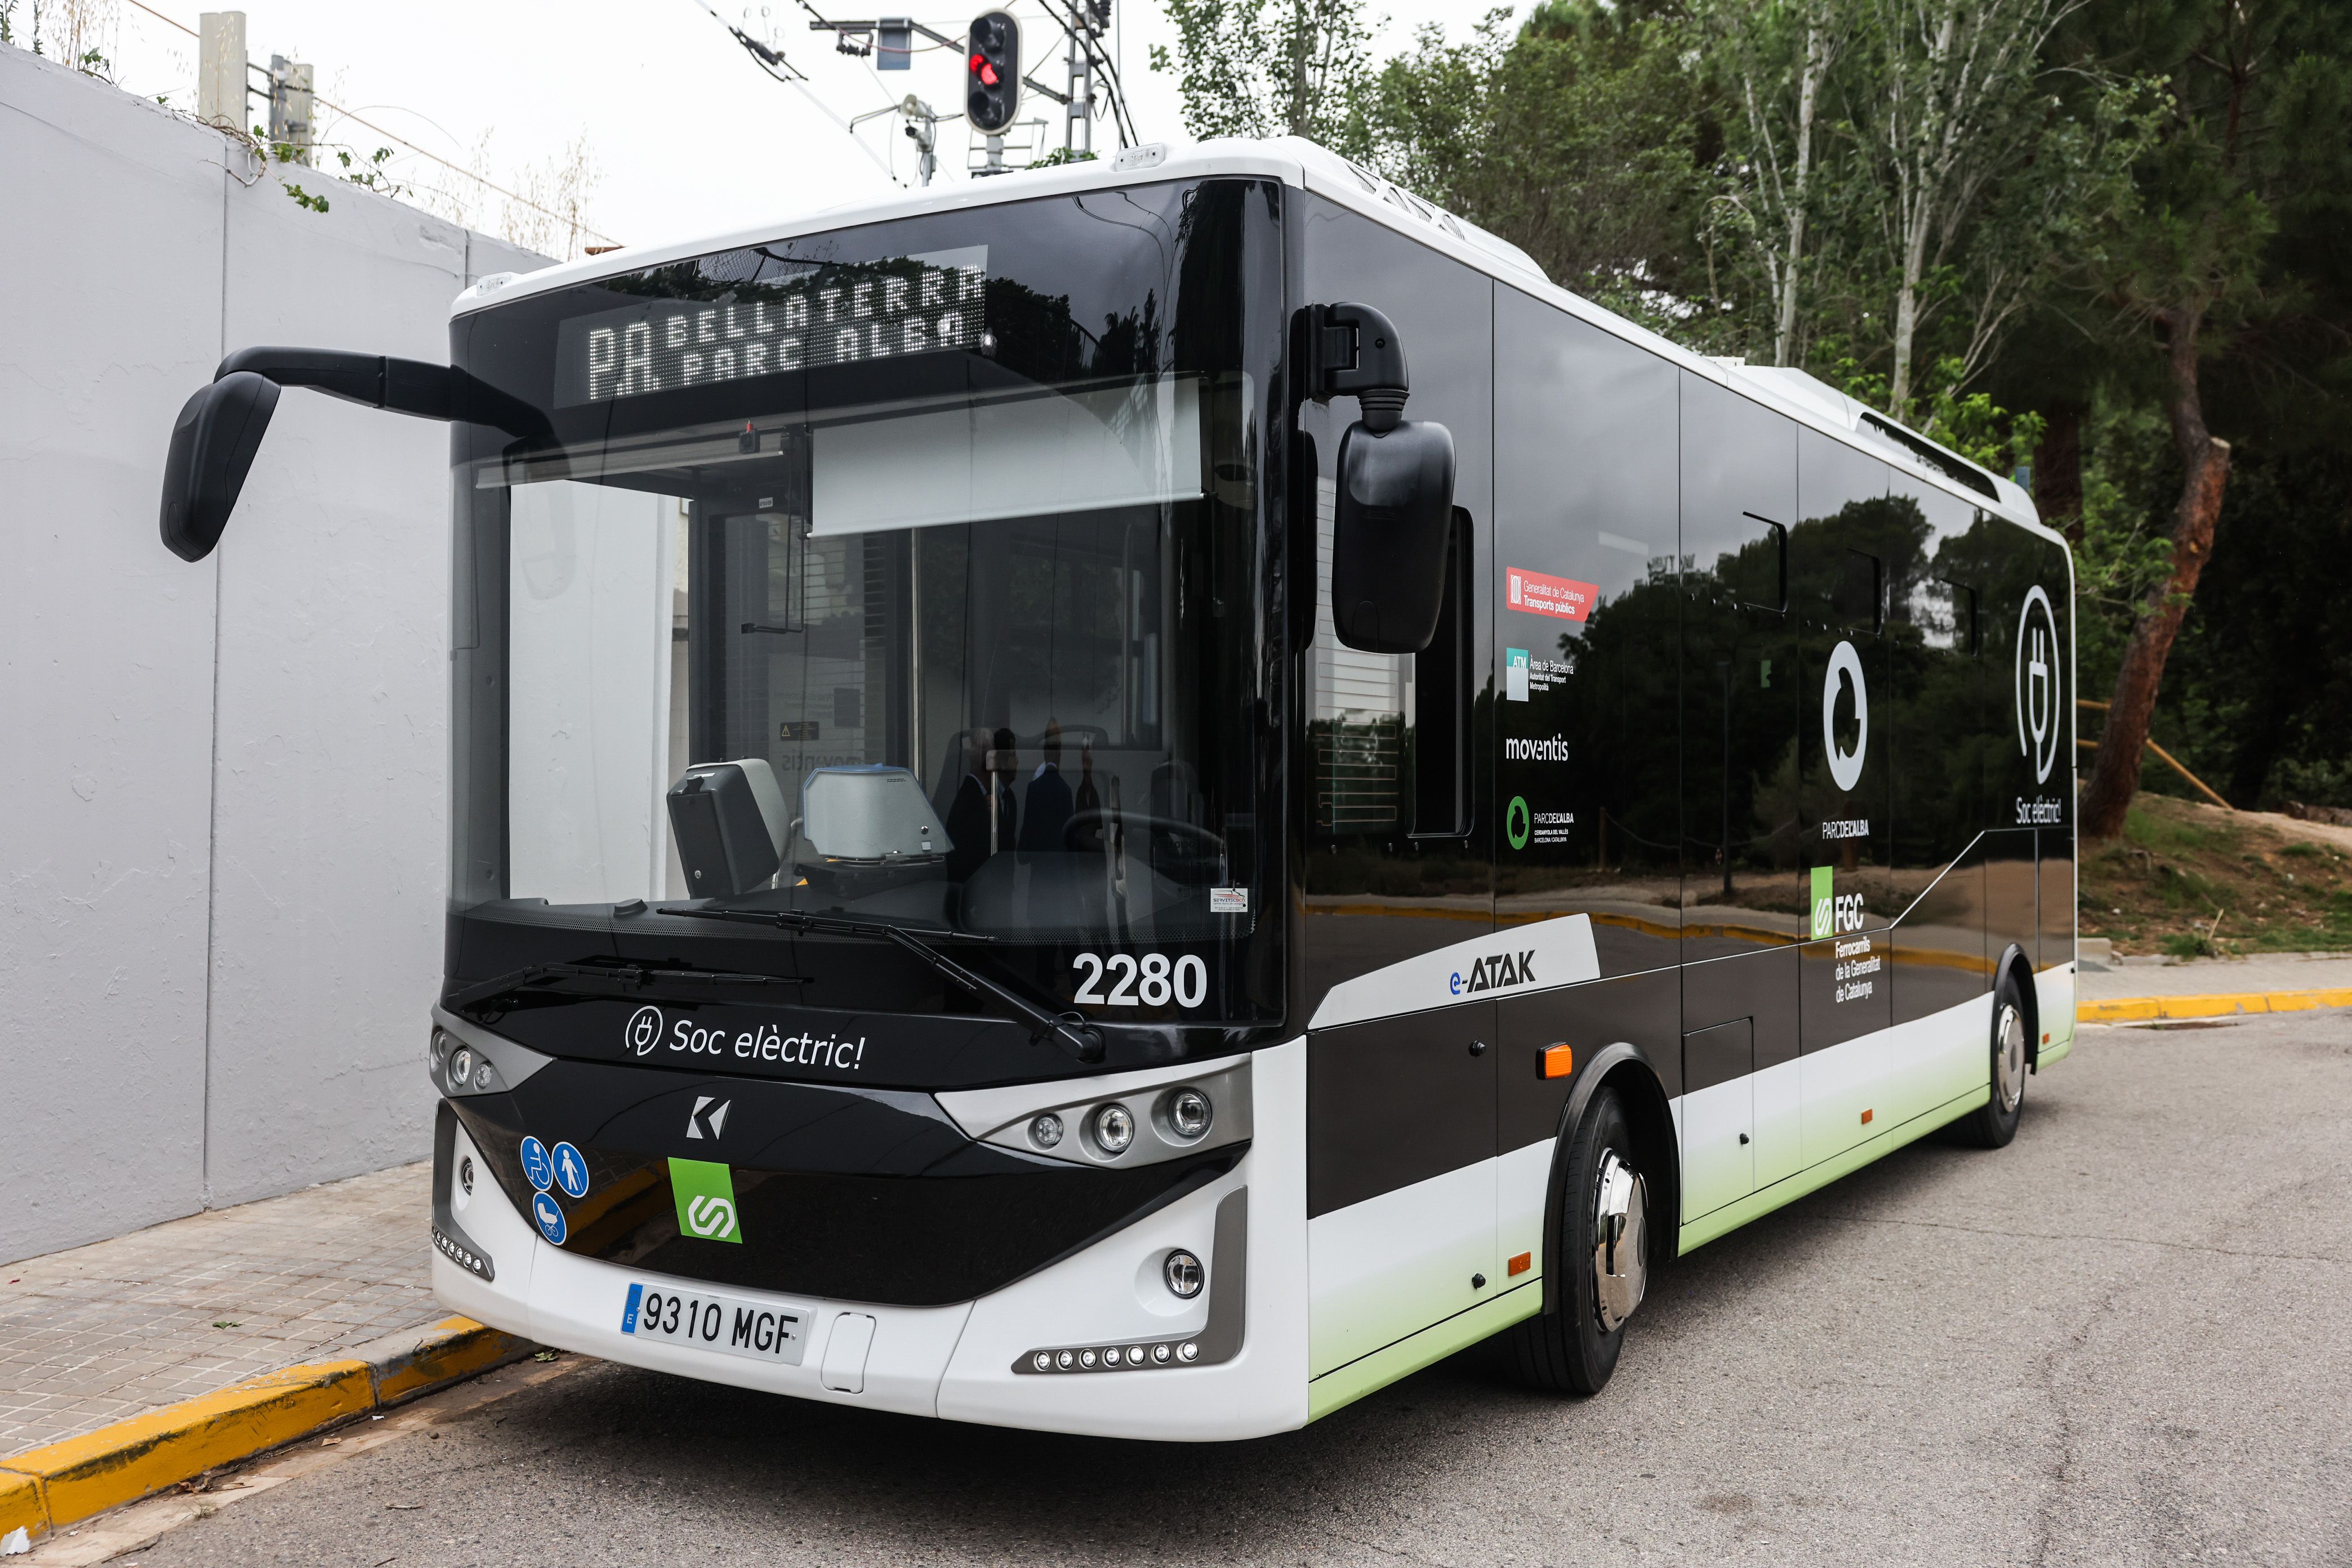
[(1134, 823)]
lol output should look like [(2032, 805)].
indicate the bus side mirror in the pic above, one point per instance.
[(213, 443), (1394, 510), (220, 427), (1394, 516)]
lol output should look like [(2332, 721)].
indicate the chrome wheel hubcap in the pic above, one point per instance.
[(2009, 1059), (1620, 1217)]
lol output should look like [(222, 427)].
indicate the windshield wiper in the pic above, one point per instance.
[(1069, 1030), (637, 975)]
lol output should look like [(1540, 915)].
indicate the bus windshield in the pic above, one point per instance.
[(904, 574)]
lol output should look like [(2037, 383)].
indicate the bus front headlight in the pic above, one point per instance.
[(1114, 1127)]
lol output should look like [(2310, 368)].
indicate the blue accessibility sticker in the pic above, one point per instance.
[(550, 1215), (571, 1172), (536, 1165)]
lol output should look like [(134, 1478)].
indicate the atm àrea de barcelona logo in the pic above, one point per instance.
[(2038, 693)]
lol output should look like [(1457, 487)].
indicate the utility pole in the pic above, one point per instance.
[(290, 106), (220, 69), (1090, 19)]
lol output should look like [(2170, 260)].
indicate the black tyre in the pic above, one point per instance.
[(1993, 1124), (1602, 1253)]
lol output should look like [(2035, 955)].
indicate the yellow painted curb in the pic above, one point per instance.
[(62, 1482), (449, 1350), (87, 1475), (2140, 1009), (20, 1503)]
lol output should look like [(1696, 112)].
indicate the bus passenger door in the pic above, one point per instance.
[(1397, 869), (1741, 881), (1848, 531), (1399, 1177)]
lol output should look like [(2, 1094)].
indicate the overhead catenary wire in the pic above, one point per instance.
[(1122, 122), (769, 60), (571, 220)]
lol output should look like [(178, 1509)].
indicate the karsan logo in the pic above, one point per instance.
[(1502, 969)]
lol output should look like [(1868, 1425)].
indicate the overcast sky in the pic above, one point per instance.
[(684, 133)]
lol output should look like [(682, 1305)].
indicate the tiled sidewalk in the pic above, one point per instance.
[(2207, 976), (119, 1327)]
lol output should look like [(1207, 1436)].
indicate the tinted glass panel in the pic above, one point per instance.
[(1744, 889), (1379, 886), (905, 574), (1587, 620)]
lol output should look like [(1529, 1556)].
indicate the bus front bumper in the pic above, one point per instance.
[(976, 1361)]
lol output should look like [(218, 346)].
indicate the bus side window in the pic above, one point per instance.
[(1441, 695)]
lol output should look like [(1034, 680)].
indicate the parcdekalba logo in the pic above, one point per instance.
[(2038, 696), (1845, 664)]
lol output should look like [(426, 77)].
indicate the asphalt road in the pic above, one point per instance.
[(2126, 1339)]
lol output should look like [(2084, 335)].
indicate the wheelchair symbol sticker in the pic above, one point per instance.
[(536, 1165)]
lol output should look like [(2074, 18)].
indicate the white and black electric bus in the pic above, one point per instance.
[(1136, 799)]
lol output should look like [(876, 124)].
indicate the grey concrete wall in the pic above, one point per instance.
[(222, 811)]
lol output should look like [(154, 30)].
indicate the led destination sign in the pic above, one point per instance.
[(825, 314)]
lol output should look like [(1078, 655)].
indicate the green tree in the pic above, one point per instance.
[(1774, 61), (2252, 131), (1269, 68), (1572, 135)]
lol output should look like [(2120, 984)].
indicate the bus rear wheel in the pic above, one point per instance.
[(1602, 1250), (1994, 1123)]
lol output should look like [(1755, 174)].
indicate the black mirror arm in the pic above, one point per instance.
[(1357, 352), (400, 385)]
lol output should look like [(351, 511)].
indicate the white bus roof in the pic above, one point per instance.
[(1299, 163)]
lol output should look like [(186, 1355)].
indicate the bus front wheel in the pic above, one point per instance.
[(1603, 1253)]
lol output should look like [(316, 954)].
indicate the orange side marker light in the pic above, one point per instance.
[(1522, 1263), (1558, 1061), (1867, 1116)]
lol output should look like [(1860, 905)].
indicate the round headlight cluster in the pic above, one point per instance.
[(1183, 1273), (1114, 1127), (461, 1066), (1190, 1113), (1045, 1130)]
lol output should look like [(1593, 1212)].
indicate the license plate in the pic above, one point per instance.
[(715, 1320)]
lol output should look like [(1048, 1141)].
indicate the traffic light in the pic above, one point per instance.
[(992, 61)]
